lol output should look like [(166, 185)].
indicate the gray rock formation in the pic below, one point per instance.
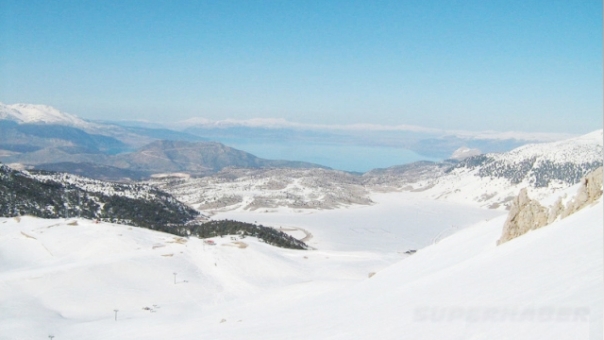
[(527, 214), (589, 192)]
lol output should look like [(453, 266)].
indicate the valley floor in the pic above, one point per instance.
[(397, 222)]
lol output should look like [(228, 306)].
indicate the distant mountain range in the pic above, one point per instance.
[(42, 137), (28, 138), (490, 180), (197, 158)]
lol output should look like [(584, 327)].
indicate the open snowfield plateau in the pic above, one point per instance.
[(396, 222), (67, 279)]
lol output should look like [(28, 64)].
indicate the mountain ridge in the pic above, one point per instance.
[(490, 181), (431, 143), (41, 114)]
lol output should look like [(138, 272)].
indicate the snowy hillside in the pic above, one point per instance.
[(544, 285), (575, 150), (62, 195), (99, 281), (493, 180), (37, 134), (130, 190), (489, 181), (541, 164), (252, 189)]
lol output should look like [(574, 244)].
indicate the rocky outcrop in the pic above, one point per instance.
[(589, 192), (527, 214)]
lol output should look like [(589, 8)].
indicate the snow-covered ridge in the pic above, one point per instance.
[(540, 165), (494, 180), (582, 149), (41, 114)]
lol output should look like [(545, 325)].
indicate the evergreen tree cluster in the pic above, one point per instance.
[(572, 173), (21, 194), (269, 235), (539, 173), (514, 172), (221, 228), (470, 162)]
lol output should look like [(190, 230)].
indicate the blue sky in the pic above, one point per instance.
[(473, 65)]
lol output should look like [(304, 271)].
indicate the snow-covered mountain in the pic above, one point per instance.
[(493, 180), (42, 114), (40, 134), (464, 152), (36, 134)]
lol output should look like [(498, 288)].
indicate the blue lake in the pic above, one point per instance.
[(341, 157)]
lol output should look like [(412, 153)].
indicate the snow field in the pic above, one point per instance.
[(64, 278), (547, 284), (398, 222), (67, 279)]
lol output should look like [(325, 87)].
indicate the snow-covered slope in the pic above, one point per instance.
[(582, 149), (493, 180), (544, 285), (66, 279), (253, 189), (130, 190)]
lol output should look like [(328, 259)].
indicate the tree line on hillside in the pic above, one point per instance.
[(539, 173), (22, 195), (222, 228)]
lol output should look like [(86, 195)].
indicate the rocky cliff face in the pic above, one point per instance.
[(527, 214)]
